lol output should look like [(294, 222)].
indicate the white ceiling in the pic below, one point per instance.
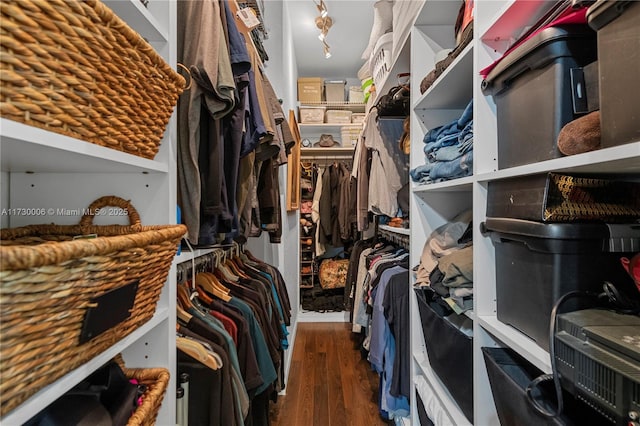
[(348, 37)]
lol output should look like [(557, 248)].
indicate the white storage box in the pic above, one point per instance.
[(357, 117), (356, 94), (312, 115), (350, 135), (338, 117), (334, 90)]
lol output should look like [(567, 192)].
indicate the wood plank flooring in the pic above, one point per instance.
[(329, 382)]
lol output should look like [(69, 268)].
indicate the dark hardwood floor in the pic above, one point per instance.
[(330, 384)]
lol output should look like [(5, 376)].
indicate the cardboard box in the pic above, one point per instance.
[(310, 89)]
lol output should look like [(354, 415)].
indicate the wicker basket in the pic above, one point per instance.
[(75, 68), (156, 380), (47, 281)]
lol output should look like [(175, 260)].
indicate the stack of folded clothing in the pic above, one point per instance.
[(446, 264), (448, 151)]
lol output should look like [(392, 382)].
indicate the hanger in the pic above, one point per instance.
[(197, 351), (203, 296), (183, 315), (226, 271), (184, 301), (210, 284), (234, 266)]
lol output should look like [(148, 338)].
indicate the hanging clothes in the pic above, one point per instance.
[(379, 293), (239, 309), (232, 132)]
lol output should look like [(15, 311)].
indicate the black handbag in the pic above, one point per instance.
[(396, 103), (105, 398)]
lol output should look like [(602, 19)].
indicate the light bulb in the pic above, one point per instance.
[(324, 13), (327, 53)]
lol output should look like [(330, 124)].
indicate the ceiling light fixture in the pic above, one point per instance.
[(322, 9), (323, 23)]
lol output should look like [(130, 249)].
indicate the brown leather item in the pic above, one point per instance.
[(580, 135)]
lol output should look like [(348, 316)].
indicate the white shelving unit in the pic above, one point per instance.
[(48, 170), (497, 24), (312, 131)]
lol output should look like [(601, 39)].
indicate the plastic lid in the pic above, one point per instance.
[(602, 12), (566, 231), (511, 66)]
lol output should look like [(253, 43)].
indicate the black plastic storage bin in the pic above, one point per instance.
[(537, 263), (450, 350), (557, 197), (618, 26), (510, 374), (533, 93)]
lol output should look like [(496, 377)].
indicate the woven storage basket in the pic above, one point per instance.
[(156, 380), (75, 68), (47, 281)]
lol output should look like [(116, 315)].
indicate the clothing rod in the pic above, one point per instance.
[(400, 239)]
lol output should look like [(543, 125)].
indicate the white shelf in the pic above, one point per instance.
[(617, 159), (320, 127), (30, 149), (454, 88), (352, 106), (401, 231), (440, 13), (447, 402), (139, 18), (464, 184), (64, 171), (517, 341), (312, 316), (186, 255), (50, 393), (326, 152)]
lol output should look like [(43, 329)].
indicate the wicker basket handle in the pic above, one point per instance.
[(113, 201)]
